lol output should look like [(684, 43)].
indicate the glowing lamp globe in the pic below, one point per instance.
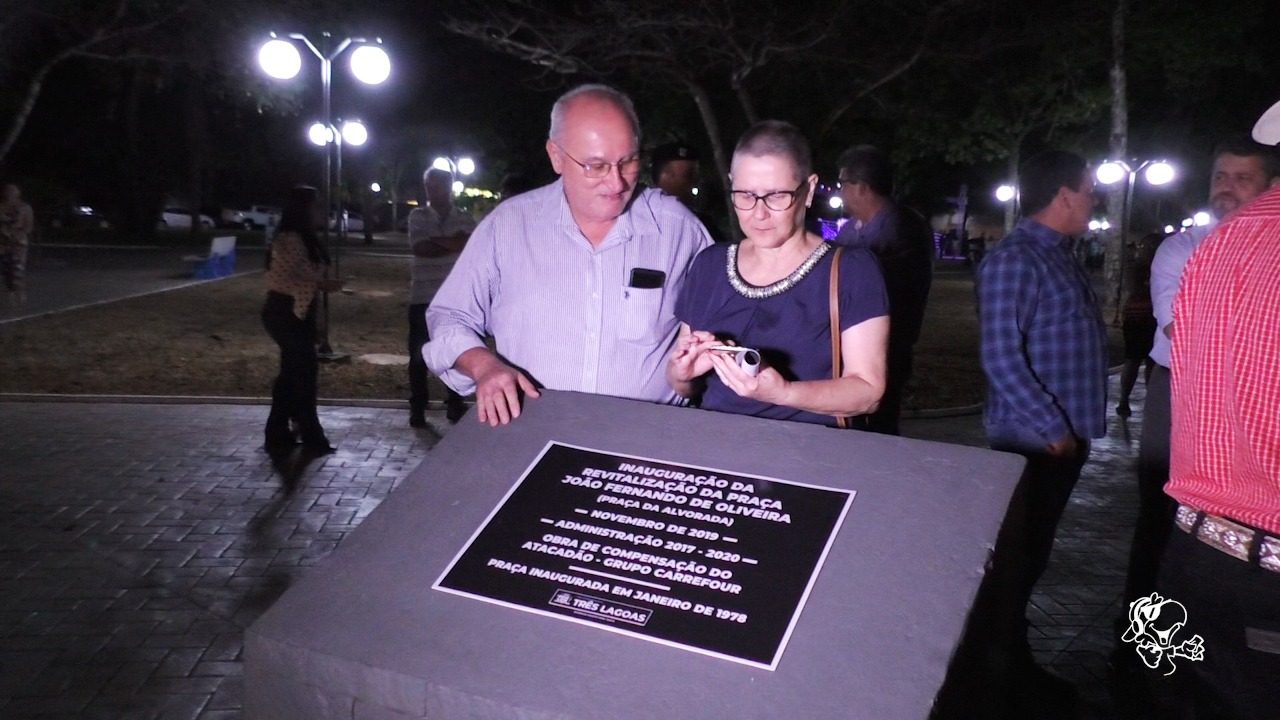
[(280, 59), (370, 64), (1111, 172), (1159, 173), (354, 133)]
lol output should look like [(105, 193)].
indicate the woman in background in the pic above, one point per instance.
[(16, 224), (296, 267), (1139, 323)]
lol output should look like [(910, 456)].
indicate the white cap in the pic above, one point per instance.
[(1267, 129)]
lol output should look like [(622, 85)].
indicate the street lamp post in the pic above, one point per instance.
[(369, 63), (1158, 172), (1007, 195)]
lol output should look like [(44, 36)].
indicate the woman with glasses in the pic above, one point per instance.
[(769, 292)]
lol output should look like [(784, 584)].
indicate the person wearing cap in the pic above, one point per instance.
[(1242, 170), (674, 169), (903, 243), (1223, 562), (576, 281)]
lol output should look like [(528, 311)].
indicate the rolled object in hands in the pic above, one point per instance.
[(748, 358)]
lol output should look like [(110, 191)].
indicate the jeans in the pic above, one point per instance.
[(293, 396), (1047, 483), (1235, 607), (418, 336), (1155, 509)]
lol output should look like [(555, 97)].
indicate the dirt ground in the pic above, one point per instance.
[(208, 340)]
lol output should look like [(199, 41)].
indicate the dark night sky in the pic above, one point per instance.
[(468, 100)]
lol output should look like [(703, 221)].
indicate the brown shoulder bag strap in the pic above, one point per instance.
[(833, 293)]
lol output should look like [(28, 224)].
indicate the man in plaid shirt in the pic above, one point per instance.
[(1043, 347)]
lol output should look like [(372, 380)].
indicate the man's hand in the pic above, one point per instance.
[(1065, 446), (498, 388)]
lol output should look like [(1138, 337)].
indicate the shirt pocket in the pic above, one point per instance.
[(641, 319)]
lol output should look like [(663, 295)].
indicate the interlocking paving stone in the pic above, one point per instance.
[(137, 542)]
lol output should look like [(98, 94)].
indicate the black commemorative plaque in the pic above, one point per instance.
[(714, 562)]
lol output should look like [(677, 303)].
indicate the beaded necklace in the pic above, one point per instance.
[(757, 293)]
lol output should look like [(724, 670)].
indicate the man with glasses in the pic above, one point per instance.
[(575, 281), (903, 243), (1044, 352)]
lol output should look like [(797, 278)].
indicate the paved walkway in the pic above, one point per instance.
[(137, 542)]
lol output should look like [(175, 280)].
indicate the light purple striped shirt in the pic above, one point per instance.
[(561, 310)]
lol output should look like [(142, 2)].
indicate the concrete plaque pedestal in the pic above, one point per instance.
[(364, 635)]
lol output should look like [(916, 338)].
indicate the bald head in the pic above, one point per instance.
[(592, 95)]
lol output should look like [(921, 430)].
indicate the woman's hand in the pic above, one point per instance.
[(690, 357), (767, 385)]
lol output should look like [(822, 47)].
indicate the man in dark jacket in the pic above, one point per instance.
[(903, 243)]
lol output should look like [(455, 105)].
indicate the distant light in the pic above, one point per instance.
[(1168, 229), (466, 165), (371, 64), (280, 59), (442, 163), (695, 191), (355, 133), (836, 202), (320, 134), (1188, 222), (1159, 173), (1094, 225), (1111, 172), (1104, 225), (1005, 193), (84, 210), (458, 187), (1202, 218), (375, 187)]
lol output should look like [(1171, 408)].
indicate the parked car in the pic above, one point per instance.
[(354, 222), (253, 217), (181, 218), (79, 216)]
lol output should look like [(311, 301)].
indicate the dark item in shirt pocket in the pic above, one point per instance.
[(645, 279)]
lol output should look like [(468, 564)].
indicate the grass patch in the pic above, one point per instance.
[(208, 339)]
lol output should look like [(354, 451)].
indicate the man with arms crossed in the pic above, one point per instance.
[(575, 281), (437, 233)]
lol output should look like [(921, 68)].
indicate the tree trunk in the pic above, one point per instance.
[(712, 125), (197, 141), (28, 103), (1011, 207), (744, 99), (1117, 200)]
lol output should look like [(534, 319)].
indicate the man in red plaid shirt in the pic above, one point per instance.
[(1224, 565)]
